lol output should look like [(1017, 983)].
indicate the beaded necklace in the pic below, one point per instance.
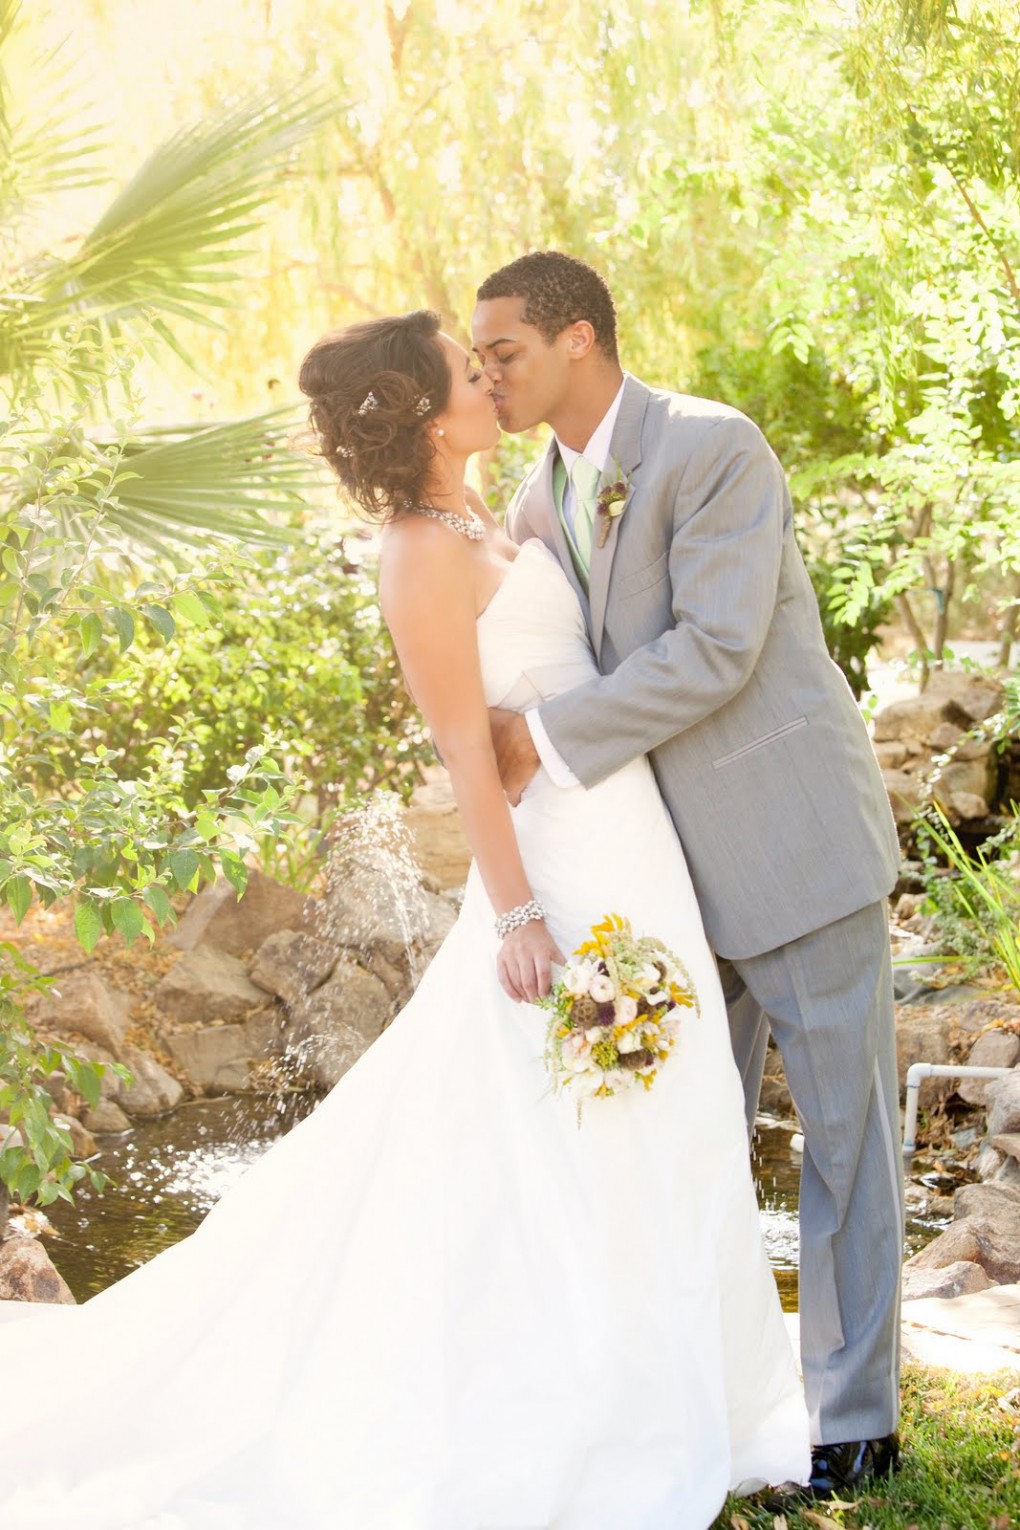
[(473, 528)]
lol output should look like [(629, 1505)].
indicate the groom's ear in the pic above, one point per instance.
[(579, 337)]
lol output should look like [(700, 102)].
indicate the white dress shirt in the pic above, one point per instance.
[(597, 453)]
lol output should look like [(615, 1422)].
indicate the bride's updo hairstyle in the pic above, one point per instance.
[(373, 390)]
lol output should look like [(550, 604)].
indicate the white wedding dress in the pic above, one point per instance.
[(494, 1319)]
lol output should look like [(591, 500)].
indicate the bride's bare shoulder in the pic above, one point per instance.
[(420, 558)]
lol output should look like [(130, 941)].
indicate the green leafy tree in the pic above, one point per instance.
[(97, 515)]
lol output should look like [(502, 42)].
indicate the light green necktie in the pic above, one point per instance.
[(585, 477)]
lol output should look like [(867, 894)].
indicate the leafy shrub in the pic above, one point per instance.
[(976, 901), (294, 647)]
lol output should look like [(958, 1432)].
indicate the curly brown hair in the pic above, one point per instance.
[(374, 388), (557, 290)]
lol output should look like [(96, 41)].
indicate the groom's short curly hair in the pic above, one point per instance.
[(557, 290)]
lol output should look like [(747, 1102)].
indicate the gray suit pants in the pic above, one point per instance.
[(827, 998)]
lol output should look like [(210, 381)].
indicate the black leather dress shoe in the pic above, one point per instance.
[(839, 1471)]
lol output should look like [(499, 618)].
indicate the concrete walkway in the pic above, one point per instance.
[(973, 1335)]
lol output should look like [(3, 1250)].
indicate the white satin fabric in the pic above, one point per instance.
[(484, 1317)]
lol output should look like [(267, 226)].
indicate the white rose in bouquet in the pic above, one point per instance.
[(577, 977), (626, 1009), (602, 989)]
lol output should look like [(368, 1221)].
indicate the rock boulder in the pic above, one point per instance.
[(956, 1279), (332, 1027), (371, 911), (27, 1274), (995, 1049), (153, 1091), (81, 1002), (217, 1058), (924, 1033), (1004, 1105), (108, 1117), (205, 985), (216, 917), (291, 964)]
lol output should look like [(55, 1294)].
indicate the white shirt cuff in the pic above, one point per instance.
[(557, 769)]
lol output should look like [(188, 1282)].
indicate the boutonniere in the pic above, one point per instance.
[(611, 503)]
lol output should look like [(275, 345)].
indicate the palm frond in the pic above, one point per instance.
[(184, 482), (174, 235), (51, 149)]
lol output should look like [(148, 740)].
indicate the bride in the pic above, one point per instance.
[(496, 1318)]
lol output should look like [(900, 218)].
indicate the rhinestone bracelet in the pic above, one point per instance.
[(516, 918)]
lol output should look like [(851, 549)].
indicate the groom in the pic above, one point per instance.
[(671, 517)]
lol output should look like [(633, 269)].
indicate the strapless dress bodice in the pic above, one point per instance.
[(532, 638)]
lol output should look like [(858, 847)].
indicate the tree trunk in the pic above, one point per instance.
[(1007, 632)]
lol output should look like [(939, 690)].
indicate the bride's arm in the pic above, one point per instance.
[(427, 594)]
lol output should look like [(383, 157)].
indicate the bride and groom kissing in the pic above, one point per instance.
[(706, 630), (510, 1321)]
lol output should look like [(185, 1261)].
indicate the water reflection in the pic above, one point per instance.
[(169, 1173)]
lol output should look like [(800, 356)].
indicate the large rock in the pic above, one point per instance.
[(206, 985), (775, 1098), (891, 755), (330, 1029), (960, 699), (371, 910), (956, 1279), (83, 1003), (965, 778), (987, 1201), (217, 1058), (1004, 1105), (83, 1144), (988, 1162), (974, 1013), (923, 1034), (291, 964), (995, 1049), (1008, 1173), (905, 792), (438, 842), (107, 1118), (957, 1242), (27, 1274), (968, 805), (153, 1091), (1007, 1143), (992, 1241), (217, 917)]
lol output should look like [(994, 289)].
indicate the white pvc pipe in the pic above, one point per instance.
[(921, 1070)]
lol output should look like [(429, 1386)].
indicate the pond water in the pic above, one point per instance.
[(169, 1172)]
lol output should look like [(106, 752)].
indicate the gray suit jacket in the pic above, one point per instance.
[(706, 630)]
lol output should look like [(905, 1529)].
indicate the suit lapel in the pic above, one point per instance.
[(624, 456)]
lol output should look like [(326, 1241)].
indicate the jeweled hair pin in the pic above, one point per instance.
[(367, 403)]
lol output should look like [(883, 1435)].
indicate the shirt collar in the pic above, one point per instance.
[(597, 450)]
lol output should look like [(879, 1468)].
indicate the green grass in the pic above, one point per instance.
[(960, 1468)]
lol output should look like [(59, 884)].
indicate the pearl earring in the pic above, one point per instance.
[(440, 431)]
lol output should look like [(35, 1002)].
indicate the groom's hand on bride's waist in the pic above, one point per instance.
[(516, 756)]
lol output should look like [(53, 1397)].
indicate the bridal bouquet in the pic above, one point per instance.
[(615, 1012)]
